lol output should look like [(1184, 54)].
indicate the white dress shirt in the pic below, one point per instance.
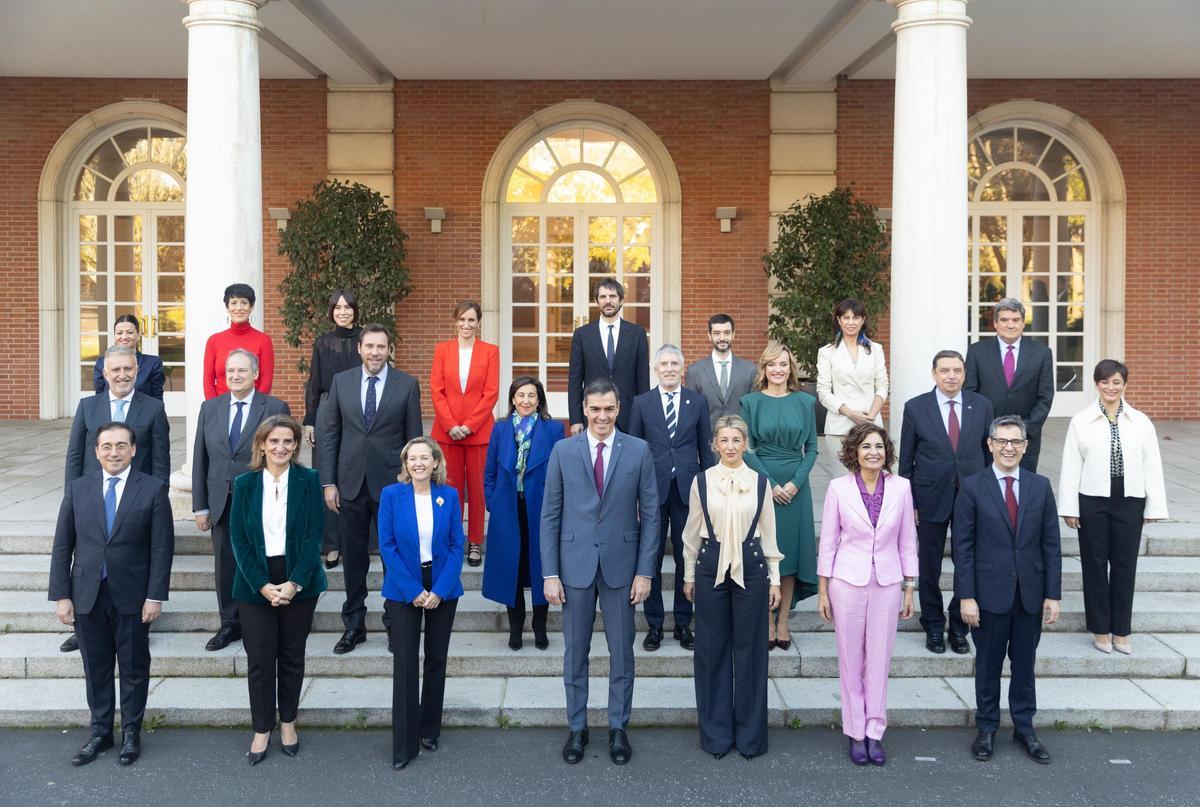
[(123, 476), (718, 361), (1001, 476), (616, 334), (379, 385), (112, 407), (662, 399), (593, 441), (464, 366), (274, 512), (944, 407), (233, 402), (424, 507)]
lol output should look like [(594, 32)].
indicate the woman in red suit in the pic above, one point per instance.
[(464, 384)]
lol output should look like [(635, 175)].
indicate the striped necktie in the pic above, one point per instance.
[(671, 415)]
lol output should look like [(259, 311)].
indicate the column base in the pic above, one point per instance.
[(181, 495)]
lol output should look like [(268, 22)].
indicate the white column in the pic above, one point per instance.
[(224, 192), (929, 193)]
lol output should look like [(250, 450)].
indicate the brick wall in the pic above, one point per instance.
[(1153, 127)]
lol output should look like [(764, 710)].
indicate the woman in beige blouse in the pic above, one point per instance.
[(852, 379), (731, 573)]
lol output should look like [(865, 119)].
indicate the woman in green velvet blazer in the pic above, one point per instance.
[(276, 526)]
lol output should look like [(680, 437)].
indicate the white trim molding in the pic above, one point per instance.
[(55, 190)]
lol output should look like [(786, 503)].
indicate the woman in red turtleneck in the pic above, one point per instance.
[(239, 302)]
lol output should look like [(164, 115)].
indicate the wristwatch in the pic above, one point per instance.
[(299, 587)]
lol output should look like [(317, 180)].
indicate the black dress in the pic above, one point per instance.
[(333, 352)]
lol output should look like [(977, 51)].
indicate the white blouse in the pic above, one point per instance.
[(424, 505), (274, 512), (464, 366), (732, 500), (854, 383)]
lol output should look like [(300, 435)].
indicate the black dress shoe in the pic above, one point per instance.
[(1033, 746), (92, 749), (573, 749), (429, 743), (399, 765), (653, 639), (619, 750), (226, 634), (685, 637), (332, 564), (958, 643), (256, 757), (69, 645), (982, 747), (131, 747), (290, 750), (540, 640), (349, 641), (935, 643), (719, 754), (514, 640)]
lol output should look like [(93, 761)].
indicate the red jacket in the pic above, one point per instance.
[(473, 408)]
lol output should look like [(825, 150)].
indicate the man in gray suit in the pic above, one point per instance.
[(599, 540), (370, 413), (224, 437), (721, 378)]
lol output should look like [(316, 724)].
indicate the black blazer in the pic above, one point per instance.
[(145, 415), (138, 555), (213, 468), (589, 361), (926, 458), (990, 559), (348, 458), (691, 450), (150, 376), (1032, 391)]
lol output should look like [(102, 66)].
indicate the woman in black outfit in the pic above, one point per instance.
[(333, 352)]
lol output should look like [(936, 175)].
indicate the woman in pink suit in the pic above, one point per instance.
[(868, 547)]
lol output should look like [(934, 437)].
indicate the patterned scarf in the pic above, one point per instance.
[(1116, 457), (522, 430)]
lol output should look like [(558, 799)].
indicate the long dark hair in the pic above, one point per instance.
[(855, 307), (542, 412)]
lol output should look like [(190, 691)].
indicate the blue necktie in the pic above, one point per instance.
[(235, 431), (369, 409), (120, 416), (611, 350), (110, 515)]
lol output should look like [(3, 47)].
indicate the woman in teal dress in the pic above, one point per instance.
[(783, 439)]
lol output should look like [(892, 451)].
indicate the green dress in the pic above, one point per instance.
[(783, 442)]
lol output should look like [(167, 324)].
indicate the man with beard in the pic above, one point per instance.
[(608, 348), (722, 378)]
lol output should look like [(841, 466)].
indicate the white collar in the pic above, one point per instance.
[(382, 374), (716, 357), (1000, 475), (128, 398), (123, 476), (608, 441), (941, 397), (233, 399)]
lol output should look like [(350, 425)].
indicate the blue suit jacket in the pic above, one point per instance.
[(926, 458), (691, 450), (400, 546), (990, 558), (150, 377)]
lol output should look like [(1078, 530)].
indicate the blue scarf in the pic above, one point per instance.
[(522, 430)]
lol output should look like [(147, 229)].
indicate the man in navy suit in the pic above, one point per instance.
[(609, 348), (110, 571), (942, 441), (1015, 374), (1008, 579), (673, 420)]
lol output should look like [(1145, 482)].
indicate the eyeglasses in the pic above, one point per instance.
[(1002, 443)]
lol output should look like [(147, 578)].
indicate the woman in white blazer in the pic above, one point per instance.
[(1111, 483), (852, 379)]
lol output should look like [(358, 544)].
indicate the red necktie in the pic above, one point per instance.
[(953, 427), (1010, 499), (598, 469)]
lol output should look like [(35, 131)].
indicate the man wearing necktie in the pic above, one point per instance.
[(110, 571), (1014, 373), (673, 420), (721, 377), (610, 348), (363, 424), (599, 541), (224, 438), (1008, 579), (942, 441)]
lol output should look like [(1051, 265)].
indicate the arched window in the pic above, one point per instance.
[(574, 192), (127, 217), (1032, 235)]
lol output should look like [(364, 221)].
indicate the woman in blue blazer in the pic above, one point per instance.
[(150, 377), (514, 477), (276, 525), (421, 545)]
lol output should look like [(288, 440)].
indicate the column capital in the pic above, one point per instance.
[(912, 13), (233, 13)]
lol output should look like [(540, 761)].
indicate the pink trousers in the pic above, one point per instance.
[(864, 621)]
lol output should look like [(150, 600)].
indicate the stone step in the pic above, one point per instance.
[(29, 612), (1132, 703), (36, 655)]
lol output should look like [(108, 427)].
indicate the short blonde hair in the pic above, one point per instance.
[(771, 352), (730, 422), (438, 477)]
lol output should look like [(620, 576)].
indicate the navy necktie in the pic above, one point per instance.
[(369, 409), (235, 431), (611, 350), (671, 415)]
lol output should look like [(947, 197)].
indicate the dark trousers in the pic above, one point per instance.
[(275, 639), (224, 569), (331, 541), (354, 530), (516, 614), (931, 548), (417, 712), (1110, 534), (1014, 634), (107, 639), (672, 514), (731, 652)]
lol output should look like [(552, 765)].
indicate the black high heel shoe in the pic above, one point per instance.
[(332, 564), (256, 757), (289, 750)]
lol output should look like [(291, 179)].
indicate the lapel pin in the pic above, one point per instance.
[(440, 501)]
